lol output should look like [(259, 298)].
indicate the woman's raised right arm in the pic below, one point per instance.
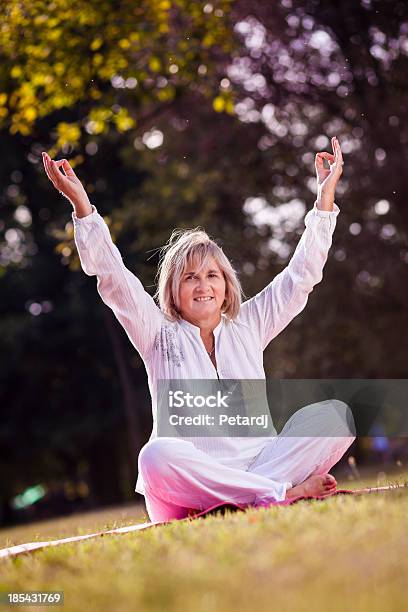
[(118, 287), (67, 184)]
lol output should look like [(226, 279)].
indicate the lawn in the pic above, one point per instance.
[(344, 553), (74, 524)]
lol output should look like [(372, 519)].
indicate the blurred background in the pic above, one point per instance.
[(178, 114)]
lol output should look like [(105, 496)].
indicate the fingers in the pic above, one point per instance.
[(55, 173), (325, 155), (55, 165), (50, 173), (52, 170), (47, 165), (45, 162), (319, 161), (337, 151), (66, 167), (337, 158)]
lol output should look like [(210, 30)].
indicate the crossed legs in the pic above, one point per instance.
[(179, 477)]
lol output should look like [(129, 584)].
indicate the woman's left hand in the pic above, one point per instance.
[(327, 178)]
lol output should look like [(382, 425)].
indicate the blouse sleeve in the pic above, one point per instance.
[(271, 310), (121, 290)]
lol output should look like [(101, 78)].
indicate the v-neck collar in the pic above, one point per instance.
[(196, 330)]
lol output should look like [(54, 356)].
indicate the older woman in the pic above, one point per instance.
[(201, 330)]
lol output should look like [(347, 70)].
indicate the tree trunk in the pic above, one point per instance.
[(134, 426)]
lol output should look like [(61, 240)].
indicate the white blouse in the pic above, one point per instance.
[(174, 350)]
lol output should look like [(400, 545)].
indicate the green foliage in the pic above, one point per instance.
[(91, 83), (56, 55)]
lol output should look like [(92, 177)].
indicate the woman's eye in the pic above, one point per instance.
[(194, 277)]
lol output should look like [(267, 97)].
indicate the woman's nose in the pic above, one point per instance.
[(202, 284)]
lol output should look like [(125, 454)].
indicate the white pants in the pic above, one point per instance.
[(179, 477)]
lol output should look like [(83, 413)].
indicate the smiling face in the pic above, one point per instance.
[(202, 292)]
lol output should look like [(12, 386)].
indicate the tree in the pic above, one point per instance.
[(231, 148)]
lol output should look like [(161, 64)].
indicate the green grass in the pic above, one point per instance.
[(345, 553), (75, 524)]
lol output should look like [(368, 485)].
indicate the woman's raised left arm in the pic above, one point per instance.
[(274, 307)]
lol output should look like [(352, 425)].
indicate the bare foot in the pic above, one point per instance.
[(324, 484)]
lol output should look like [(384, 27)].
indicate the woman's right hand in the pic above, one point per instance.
[(68, 184)]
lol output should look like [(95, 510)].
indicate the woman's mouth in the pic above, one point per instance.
[(203, 299)]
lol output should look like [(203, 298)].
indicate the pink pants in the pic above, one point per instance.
[(179, 477)]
